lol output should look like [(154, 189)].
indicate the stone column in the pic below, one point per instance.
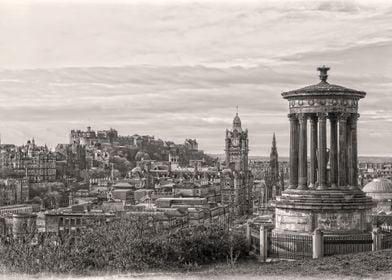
[(342, 182), (322, 152), (293, 151), (354, 151), (248, 235), (263, 243), (318, 244), (349, 152), (377, 239), (303, 152), (313, 151), (334, 152)]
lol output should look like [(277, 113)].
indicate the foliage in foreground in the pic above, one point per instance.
[(123, 246)]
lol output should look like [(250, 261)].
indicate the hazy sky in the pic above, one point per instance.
[(177, 69)]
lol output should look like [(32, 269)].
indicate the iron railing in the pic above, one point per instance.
[(288, 246), (386, 241), (347, 244)]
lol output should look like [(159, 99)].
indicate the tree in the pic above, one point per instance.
[(122, 165)]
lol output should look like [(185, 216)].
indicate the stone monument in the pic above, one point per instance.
[(330, 201)]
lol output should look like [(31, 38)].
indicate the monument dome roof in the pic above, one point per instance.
[(378, 185), (323, 88)]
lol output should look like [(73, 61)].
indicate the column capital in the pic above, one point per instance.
[(313, 117), (322, 116), (302, 117), (292, 116), (342, 117), (332, 117), (354, 117)]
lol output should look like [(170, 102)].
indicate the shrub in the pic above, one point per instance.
[(124, 245)]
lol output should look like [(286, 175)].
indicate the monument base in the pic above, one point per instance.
[(334, 212)]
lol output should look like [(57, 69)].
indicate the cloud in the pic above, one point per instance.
[(178, 69)]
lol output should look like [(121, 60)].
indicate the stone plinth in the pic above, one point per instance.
[(332, 211)]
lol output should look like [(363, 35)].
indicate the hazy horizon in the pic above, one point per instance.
[(177, 69)]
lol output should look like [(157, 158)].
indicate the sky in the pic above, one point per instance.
[(178, 69)]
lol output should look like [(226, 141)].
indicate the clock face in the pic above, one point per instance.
[(235, 141)]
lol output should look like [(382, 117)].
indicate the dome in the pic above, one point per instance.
[(379, 185), (323, 88), (237, 121), (379, 189)]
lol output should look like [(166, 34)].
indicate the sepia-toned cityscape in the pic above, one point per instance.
[(179, 163)]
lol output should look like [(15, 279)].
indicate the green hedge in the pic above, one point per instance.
[(123, 245)]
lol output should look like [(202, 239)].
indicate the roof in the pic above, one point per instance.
[(323, 88), (122, 185), (378, 185)]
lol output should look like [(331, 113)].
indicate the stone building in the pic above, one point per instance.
[(13, 191), (37, 163), (329, 200), (191, 145), (236, 180), (75, 221), (73, 158)]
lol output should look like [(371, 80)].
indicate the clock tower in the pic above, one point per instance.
[(237, 147), (236, 179)]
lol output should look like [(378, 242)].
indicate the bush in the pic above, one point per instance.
[(123, 245)]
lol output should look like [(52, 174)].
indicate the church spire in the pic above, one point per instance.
[(274, 163), (274, 142)]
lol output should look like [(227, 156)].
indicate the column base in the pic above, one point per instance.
[(312, 186), (292, 187), (302, 187), (322, 187), (343, 187), (334, 187)]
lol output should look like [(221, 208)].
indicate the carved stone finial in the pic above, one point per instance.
[(323, 73)]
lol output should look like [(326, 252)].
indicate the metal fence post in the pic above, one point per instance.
[(376, 236), (263, 243), (318, 244)]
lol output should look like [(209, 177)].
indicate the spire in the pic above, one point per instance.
[(274, 163), (274, 141)]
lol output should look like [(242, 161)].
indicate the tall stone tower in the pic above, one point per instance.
[(237, 148), (237, 180)]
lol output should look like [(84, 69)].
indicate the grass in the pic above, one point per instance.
[(369, 265)]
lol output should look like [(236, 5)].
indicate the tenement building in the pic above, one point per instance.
[(236, 179), (328, 197)]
